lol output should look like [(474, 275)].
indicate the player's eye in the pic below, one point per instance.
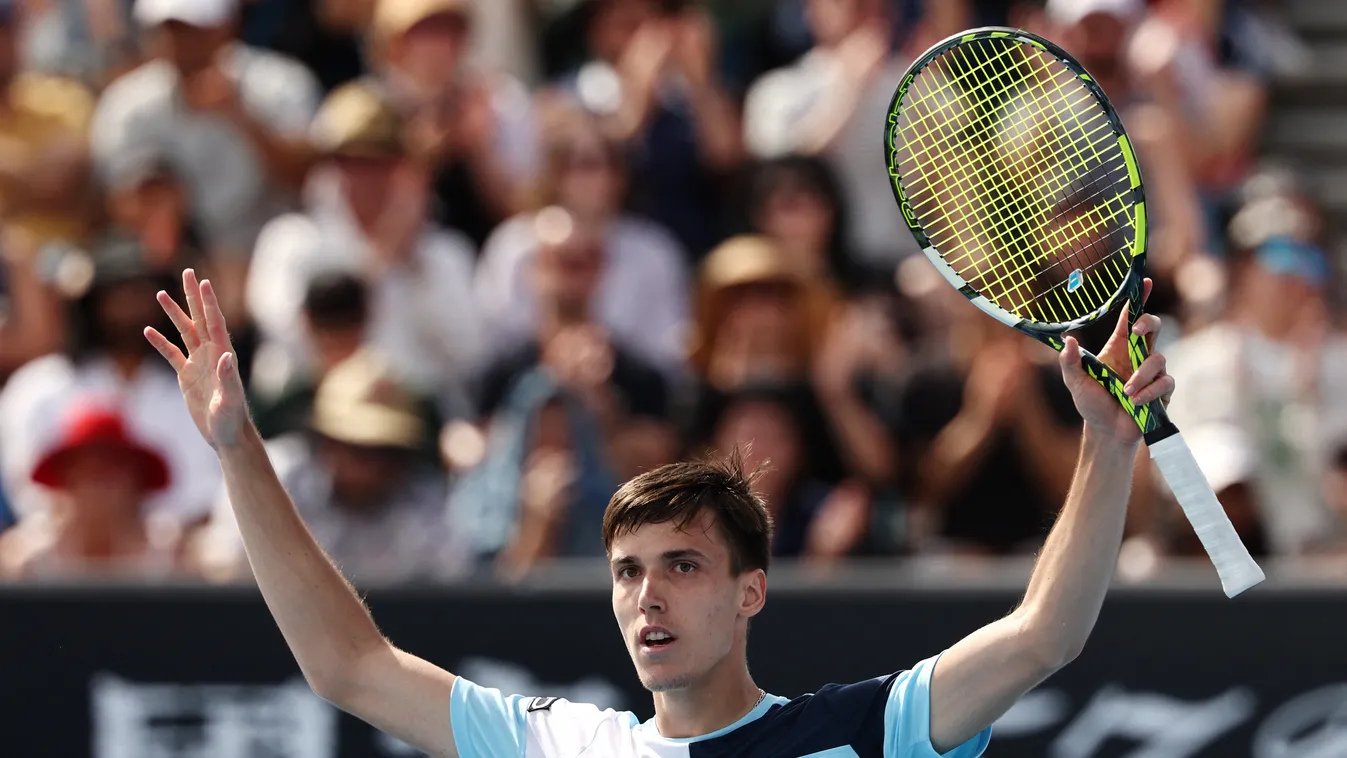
[(684, 567), (626, 572)]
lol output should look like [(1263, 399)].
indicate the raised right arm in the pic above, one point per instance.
[(343, 656)]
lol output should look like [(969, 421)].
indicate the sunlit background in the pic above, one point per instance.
[(484, 260)]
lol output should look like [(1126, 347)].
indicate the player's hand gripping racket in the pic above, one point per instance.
[(1016, 177)]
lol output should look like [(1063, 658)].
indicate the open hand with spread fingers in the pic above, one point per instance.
[(208, 374)]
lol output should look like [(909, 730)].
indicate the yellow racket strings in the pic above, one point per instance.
[(981, 136), (1010, 209), (1019, 278), (995, 206), (1069, 240), (1015, 279)]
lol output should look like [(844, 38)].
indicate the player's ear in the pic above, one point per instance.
[(753, 592)]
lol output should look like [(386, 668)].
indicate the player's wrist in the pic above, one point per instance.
[(1100, 440), (246, 442)]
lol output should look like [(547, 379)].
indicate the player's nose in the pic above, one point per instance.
[(652, 596)]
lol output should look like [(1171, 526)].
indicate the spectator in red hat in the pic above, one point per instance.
[(101, 477), (105, 356)]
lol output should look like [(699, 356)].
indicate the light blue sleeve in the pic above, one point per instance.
[(907, 719), (486, 723)]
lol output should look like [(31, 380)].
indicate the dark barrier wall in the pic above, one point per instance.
[(188, 673)]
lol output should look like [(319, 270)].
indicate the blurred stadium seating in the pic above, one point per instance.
[(484, 260)]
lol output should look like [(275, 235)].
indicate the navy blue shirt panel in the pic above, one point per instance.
[(836, 716)]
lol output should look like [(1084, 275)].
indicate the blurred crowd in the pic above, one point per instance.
[(485, 259)]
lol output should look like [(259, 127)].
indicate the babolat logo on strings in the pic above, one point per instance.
[(1074, 281)]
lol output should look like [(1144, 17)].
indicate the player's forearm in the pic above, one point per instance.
[(322, 619), (1077, 562), (978, 679)]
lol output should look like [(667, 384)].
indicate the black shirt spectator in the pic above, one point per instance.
[(997, 506)]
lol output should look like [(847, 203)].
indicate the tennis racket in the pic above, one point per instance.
[(1017, 178)]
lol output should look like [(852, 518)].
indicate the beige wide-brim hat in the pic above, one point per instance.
[(394, 17), (360, 403), (357, 119)]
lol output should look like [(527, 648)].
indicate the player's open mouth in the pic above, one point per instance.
[(654, 639)]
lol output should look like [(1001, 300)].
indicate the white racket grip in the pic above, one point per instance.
[(1235, 566)]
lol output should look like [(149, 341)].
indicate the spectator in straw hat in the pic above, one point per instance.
[(44, 167), (358, 480), (758, 316), (100, 476), (761, 319), (366, 213), (336, 319)]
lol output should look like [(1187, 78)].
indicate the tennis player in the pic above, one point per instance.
[(689, 547)]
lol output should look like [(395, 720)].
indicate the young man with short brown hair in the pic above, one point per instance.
[(687, 547)]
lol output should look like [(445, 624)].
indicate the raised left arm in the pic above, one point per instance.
[(980, 677)]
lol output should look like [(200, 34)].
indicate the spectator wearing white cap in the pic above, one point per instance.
[(1139, 79), (1096, 32), (1230, 462), (1071, 12), (1165, 54), (230, 119)]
